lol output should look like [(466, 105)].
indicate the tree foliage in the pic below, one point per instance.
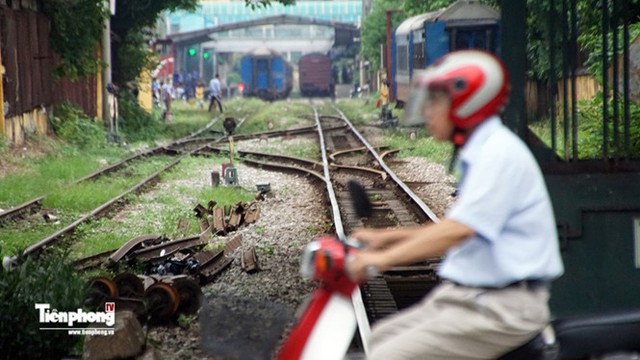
[(78, 26), (417, 7), (373, 32), (129, 26), (76, 32), (548, 35), (543, 29)]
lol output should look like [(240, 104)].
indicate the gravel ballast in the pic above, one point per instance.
[(292, 215)]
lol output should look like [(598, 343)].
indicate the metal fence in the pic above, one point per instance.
[(567, 84)]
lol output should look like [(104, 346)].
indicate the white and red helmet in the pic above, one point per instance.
[(477, 82)]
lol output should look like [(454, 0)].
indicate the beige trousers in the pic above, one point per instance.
[(457, 322)]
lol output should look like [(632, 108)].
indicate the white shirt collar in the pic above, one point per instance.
[(479, 135)]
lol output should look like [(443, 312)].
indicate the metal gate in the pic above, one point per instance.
[(595, 195)]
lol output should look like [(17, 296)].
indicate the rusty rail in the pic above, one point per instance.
[(97, 211), (16, 211)]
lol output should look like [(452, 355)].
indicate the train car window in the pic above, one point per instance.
[(163, 49), (479, 43), (462, 40), (403, 58), (419, 61), (471, 39)]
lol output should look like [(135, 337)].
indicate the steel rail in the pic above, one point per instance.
[(269, 134), (105, 207), (113, 167), (97, 211), (364, 328), (335, 154), (414, 198), (335, 209), (293, 159), (283, 166), (8, 214)]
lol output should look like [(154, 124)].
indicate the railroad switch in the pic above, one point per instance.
[(264, 190), (229, 172), (387, 120), (229, 125), (230, 175)]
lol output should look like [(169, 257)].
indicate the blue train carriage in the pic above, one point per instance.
[(266, 74), (421, 39)]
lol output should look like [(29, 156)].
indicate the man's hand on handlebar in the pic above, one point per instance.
[(365, 264), (369, 238)]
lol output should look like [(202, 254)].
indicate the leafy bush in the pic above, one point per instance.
[(73, 126), (590, 135), (51, 279), (133, 121)]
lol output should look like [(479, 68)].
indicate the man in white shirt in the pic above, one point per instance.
[(215, 93), (499, 238)]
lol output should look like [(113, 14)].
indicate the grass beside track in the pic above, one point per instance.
[(45, 166), (159, 210), (70, 203)]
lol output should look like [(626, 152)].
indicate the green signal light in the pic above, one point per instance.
[(205, 55), (192, 52)]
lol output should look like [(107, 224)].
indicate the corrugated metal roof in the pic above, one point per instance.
[(263, 51), (460, 10), (468, 10), (416, 22)]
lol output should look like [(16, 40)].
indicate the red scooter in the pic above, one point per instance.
[(326, 328)]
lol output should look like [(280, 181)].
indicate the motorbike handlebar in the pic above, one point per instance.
[(370, 270)]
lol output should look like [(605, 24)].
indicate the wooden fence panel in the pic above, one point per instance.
[(45, 58), (538, 101), (10, 59), (29, 63), (25, 62), (36, 74)]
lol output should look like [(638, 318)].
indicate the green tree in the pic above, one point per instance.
[(78, 26), (76, 32), (417, 7), (373, 33), (131, 25), (374, 29), (545, 29)]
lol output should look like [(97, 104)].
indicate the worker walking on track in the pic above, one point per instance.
[(215, 92), (499, 239)]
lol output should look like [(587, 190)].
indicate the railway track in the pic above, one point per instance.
[(346, 155), (35, 204), (181, 148), (395, 204)]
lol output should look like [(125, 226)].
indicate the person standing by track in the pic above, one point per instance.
[(199, 92), (215, 93), (499, 238), (167, 98)]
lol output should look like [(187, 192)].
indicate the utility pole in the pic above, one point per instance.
[(106, 59), (2, 69), (388, 66)]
